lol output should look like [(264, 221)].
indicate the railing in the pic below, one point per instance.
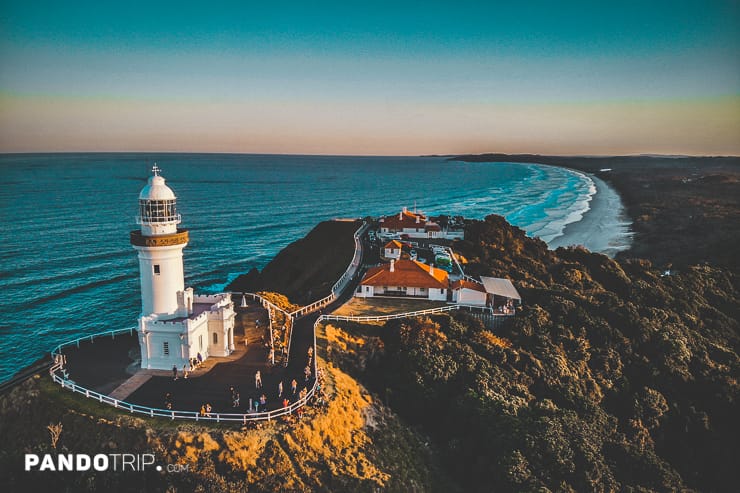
[(57, 351), (272, 307), (417, 313), (58, 374), (56, 370)]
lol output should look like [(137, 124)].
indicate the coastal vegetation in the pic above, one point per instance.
[(610, 377)]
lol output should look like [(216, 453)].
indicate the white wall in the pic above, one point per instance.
[(365, 292), (394, 253), (159, 291), (467, 296), (437, 294)]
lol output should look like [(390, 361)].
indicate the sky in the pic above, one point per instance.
[(378, 78)]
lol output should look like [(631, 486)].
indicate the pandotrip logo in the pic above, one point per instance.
[(98, 463)]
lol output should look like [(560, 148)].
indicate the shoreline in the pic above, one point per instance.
[(604, 228)]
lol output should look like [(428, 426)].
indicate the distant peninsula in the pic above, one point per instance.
[(685, 209)]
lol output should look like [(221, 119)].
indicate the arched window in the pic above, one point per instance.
[(215, 338)]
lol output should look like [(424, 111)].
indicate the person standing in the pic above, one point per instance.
[(280, 389), (293, 387), (258, 380), (174, 372)]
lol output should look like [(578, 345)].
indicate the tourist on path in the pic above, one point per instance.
[(293, 386), (184, 371), (258, 380), (174, 372), (307, 372), (263, 403), (280, 389)]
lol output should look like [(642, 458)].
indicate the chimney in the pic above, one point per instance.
[(393, 265), (404, 209), (417, 219), (400, 216), (431, 270)]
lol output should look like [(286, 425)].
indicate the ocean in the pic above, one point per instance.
[(67, 268)]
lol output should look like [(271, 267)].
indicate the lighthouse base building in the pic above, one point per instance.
[(204, 325), (175, 325)]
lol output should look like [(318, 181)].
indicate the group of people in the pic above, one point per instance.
[(205, 410), (507, 308), (191, 365)]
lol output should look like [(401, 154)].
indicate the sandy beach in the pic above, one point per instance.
[(605, 227)]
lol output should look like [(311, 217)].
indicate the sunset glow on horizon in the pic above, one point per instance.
[(379, 79)]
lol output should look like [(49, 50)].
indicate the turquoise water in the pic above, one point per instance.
[(67, 269)]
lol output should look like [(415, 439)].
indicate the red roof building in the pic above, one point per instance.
[(405, 278)]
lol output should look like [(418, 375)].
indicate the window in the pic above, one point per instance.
[(215, 338), (166, 348), (156, 269)]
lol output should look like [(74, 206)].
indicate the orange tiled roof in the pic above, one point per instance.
[(408, 273), (465, 284), (407, 220), (393, 244)]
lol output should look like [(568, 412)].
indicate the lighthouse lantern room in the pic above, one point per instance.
[(175, 325)]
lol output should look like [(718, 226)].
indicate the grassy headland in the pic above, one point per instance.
[(305, 270)]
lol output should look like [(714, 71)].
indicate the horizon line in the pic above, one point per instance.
[(453, 155)]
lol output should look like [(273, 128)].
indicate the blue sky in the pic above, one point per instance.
[(344, 77)]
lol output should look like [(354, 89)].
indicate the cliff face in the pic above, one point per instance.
[(610, 377)]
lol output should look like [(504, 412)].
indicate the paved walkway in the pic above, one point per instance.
[(130, 385)]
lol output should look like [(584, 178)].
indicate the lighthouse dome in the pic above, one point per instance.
[(155, 189), (157, 207)]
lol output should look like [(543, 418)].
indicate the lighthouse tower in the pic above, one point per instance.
[(160, 244), (175, 325)]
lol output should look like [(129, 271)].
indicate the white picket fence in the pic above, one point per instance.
[(60, 376)]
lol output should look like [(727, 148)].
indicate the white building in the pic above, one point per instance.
[(465, 292), (392, 250), (175, 325), (407, 278), (496, 293), (416, 225)]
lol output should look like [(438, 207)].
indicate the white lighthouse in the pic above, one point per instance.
[(175, 325), (160, 245)]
